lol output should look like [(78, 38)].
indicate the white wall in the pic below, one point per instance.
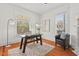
[(71, 15), (74, 15), (51, 15), (8, 11)]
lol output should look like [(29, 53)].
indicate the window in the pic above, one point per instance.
[(22, 26)]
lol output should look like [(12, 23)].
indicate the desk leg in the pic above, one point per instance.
[(21, 43), (40, 40), (36, 39), (24, 47)]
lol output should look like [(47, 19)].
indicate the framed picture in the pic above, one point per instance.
[(60, 22)]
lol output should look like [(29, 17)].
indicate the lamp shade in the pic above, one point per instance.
[(37, 26), (11, 22)]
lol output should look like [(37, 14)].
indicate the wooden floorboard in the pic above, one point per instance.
[(57, 51)]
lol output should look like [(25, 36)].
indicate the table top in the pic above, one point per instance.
[(31, 36)]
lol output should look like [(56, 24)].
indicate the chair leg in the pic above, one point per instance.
[(69, 46), (64, 46)]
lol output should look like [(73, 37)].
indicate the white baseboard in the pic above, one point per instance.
[(76, 52), (49, 39)]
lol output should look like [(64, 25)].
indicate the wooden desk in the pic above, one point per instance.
[(37, 37)]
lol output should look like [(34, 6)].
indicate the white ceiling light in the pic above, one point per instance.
[(44, 4), (11, 21)]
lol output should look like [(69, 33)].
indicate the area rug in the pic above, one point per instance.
[(32, 50)]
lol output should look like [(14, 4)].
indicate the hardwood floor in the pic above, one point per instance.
[(57, 51)]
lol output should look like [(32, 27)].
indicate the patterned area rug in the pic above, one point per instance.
[(32, 50)]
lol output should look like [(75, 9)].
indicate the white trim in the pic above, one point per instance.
[(77, 53), (49, 39)]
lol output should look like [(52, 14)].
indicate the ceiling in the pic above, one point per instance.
[(38, 7)]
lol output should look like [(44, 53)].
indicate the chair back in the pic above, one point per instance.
[(67, 36)]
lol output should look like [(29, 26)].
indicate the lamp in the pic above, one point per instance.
[(10, 22)]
